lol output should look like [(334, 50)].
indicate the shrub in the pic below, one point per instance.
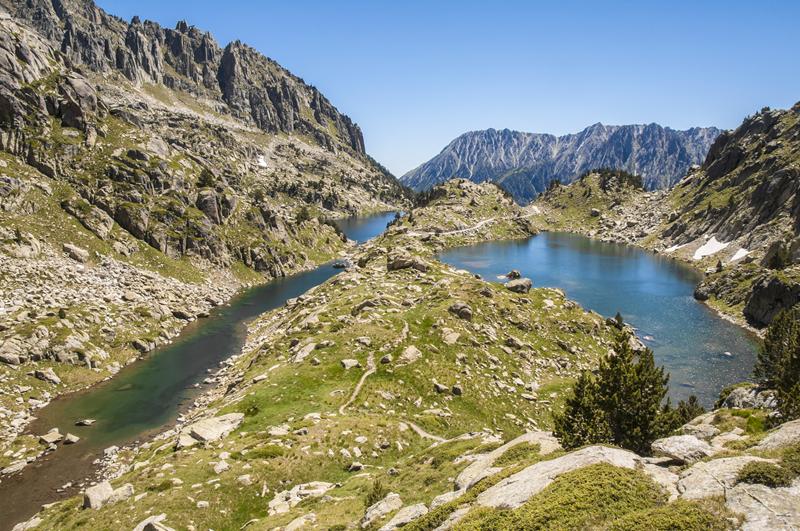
[(161, 487), (778, 364), (521, 452), (680, 515), (765, 474), (376, 493), (303, 214), (583, 498), (791, 459), (622, 405)]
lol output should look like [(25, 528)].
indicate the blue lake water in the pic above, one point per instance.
[(702, 352)]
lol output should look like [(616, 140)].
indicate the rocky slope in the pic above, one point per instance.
[(526, 163), (405, 393), (145, 175), (735, 217)]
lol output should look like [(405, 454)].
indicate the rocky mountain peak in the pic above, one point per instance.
[(247, 84), (525, 163)]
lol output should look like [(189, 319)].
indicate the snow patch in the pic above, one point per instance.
[(675, 248), (738, 255), (710, 247), (262, 161)]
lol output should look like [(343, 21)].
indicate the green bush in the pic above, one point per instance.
[(585, 498), (765, 473), (778, 364), (526, 452), (790, 460), (376, 493), (264, 452), (678, 516)]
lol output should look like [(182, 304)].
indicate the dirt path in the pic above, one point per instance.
[(370, 370), (424, 434)]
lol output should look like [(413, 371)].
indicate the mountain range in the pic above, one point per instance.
[(524, 164)]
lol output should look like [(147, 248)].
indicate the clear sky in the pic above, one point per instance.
[(414, 74)]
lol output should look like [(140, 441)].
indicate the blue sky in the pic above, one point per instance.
[(416, 74)]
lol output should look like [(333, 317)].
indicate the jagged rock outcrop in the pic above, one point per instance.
[(526, 163), (249, 85)]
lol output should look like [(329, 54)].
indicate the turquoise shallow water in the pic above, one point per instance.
[(702, 352)]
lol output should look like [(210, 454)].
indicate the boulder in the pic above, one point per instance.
[(47, 375), (405, 516), (76, 253), (410, 354), (97, 496), (51, 437), (483, 466), (397, 261), (350, 363), (518, 488), (750, 398), (71, 439), (684, 448), (712, 478), (283, 501), (462, 310), (765, 508), (786, 434), (520, 285), (375, 512), (209, 429), (153, 523)]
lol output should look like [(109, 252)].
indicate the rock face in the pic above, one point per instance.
[(784, 435), (253, 87), (526, 163), (405, 516)]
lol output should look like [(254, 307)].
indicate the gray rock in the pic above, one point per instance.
[(350, 363), (405, 516), (462, 310), (47, 375), (76, 253), (375, 512), (521, 285), (51, 437), (712, 478), (518, 488), (153, 523), (750, 398), (685, 448), (786, 434), (210, 429), (97, 496)]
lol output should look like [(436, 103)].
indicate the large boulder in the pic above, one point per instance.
[(97, 496), (398, 260), (712, 478), (405, 516), (378, 510), (210, 429), (765, 508), (483, 466), (684, 448), (786, 434), (750, 398), (520, 285), (518, 488)]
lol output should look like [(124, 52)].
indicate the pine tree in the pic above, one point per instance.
[(631, 389), (622, 405), (782, 339), (778, 364), (583, 422)]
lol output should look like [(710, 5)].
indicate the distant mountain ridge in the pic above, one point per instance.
[(525, 163)]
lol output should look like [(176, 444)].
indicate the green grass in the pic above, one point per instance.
[(585, 498)]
